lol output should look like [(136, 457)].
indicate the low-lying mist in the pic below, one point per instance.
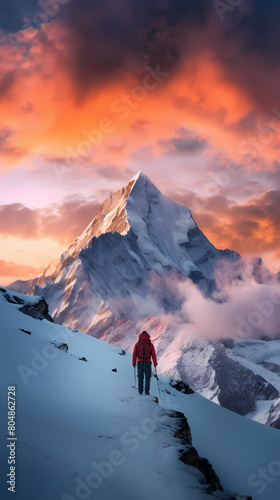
[(245, 304)]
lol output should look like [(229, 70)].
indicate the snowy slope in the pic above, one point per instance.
[(73, 415)]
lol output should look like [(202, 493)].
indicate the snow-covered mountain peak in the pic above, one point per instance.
[(137, 206), (137, 236), (138, 175), (142, 181)]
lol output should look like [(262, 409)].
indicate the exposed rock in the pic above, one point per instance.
[(228, 343), (37, 311), (274, 415), (183, 430), (114, 370), (191, 457), (181, 387), (25, 331), (12, 299), (63, 347), (83, 359), (272, 367), (239, 387), (123, 353)]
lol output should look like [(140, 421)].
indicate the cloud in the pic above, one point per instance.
[(7, 148), (253, 226), (185, 142), (111, 173), (5, 136), (67, 221), (244, 306), (12, 269), (7, 82), (17, 219), (139, 125), (93, 53), (251, 310), (104, 41), (63, 222), (250, 228)]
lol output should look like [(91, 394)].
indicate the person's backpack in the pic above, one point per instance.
[(144, 349)]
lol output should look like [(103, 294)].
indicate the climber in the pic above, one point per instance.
[(143, 350)]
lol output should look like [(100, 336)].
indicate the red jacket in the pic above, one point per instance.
[(144, 336)]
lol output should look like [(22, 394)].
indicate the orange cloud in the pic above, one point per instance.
[(250, 228), (62, 222), (11, 270), (39, 103), (16, 219)]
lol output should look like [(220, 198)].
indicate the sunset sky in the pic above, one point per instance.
[(92, 91)]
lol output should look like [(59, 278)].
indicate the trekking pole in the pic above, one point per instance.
[(135, 377), (157, 382), (144, 377)]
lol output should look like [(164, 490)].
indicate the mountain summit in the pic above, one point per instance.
[(134, 207)]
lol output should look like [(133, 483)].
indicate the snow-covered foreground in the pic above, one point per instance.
[(72, 416)]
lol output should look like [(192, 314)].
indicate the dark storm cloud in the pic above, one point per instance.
[(247, 46), (260, 27), (106, 40)]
